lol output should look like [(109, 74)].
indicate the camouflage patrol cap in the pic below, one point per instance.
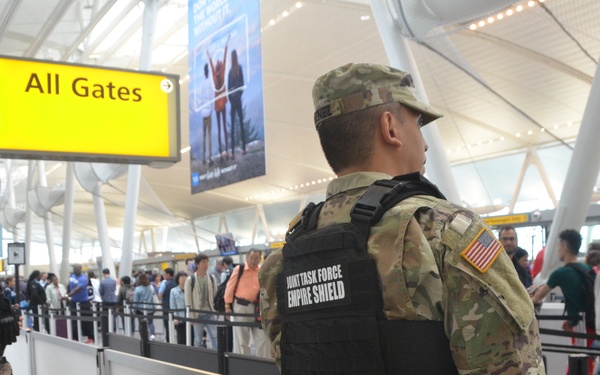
[(354, 87)]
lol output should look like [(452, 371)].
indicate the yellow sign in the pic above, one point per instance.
[(75, 112), (276, 245), (505, 220)]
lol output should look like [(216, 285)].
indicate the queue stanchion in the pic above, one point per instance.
[(111, 320), (127, 320), (171, 329), (104, 328), (52, 328), (145, 347), (39, 318), (78, 314), (221, 348), (578, 364), (69, 323), (95, 322), (188, 327)]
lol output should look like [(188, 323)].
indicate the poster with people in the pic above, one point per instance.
[(227, 133)]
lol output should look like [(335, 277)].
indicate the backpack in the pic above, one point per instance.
[(329, 297), (589, 277), (219, 300), (90, 290), (129, 293)]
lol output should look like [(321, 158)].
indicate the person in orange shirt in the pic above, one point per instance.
[(242, 297)]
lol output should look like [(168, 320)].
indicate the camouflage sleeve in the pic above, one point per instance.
[(489, 316), (271, 322)]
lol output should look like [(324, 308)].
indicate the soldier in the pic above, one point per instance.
[(426, 249)]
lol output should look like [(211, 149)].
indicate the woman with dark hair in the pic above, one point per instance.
[(37, 296), (235, 84), (142, 302), (522, 257)]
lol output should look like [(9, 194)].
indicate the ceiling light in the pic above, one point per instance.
[(500, 16), (285, 13), (481, 23), (518, 135), (570, 123), (530, 132), (556, 126), (473, 26), (365, 18), (531, 3), (299, 4), (519, 8), (509, 12), (185, 149), (543, 130), (502, 138), (490, 20), (272, 22)]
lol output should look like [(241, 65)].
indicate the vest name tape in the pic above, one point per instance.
[(318, 287)]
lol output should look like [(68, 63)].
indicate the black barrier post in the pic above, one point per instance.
[(145, 347), (221, 347), (578, 364), (104, 329)]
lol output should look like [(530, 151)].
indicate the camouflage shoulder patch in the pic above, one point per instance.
[(482, 251), (461, 223)]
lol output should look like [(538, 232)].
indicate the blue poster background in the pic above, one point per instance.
[(220, 31)]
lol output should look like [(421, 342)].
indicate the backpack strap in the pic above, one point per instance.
[(385, 194), (240, 273)]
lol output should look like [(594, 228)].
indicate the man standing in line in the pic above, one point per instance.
[(107, 290), (217, 271), (570, 282), (164, 295), (78, 284), (510, 241), (200, 290), (430, 263), (242, 295)]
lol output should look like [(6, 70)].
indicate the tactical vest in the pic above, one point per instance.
[(330, 300)]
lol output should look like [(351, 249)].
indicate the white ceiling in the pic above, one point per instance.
[(498, 85)]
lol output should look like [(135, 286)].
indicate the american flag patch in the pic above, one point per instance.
[(482, 251)]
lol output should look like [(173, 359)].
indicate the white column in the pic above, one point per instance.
[(401, 57), (67, 223), (135, 171), (100, 211), (47, 221), (581, 178), (28, 218)]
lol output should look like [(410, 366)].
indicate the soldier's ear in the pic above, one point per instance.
[(389, 130)]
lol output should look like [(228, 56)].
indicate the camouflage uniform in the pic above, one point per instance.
[(417, 245)]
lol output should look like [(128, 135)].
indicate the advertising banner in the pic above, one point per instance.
[(227, 131)]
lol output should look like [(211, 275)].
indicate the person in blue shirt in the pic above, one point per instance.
[(177, 302), (107, 290), (77, 294), (164, 295), (9, 290)]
